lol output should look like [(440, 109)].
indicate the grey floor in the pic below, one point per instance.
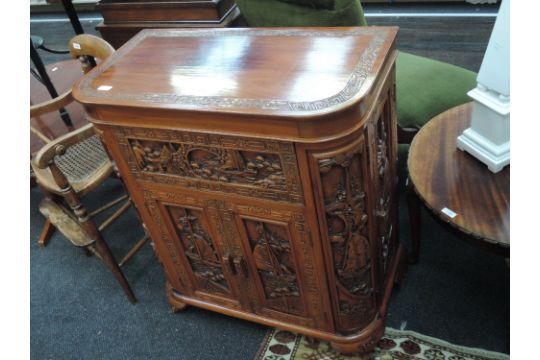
[(457, 292)]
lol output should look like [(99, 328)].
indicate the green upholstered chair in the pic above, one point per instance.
[(425, 87)]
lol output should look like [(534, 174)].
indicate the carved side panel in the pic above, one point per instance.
[(385, 182), (249, 167), (344, 202)]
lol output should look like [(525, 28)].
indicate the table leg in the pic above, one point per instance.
[(413, 204)]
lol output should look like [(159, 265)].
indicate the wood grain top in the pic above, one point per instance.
[(294, 72), (446, 177)]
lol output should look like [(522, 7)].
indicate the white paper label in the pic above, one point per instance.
[(449, 213), (77, 46), (104, 88)]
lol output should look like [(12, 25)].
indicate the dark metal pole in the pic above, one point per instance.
[(74, 19), (70, 11), (36, 59)]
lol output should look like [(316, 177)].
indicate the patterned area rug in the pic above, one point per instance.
[(395, 345)]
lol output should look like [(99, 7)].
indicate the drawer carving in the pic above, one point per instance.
[(250, 167), (224, 165)]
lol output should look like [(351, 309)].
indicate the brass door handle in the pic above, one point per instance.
[(228, 260), (239, 262)]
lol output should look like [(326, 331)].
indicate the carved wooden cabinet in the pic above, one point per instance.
[(263, 164)]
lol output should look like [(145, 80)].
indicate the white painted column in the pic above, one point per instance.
[(488, 138)]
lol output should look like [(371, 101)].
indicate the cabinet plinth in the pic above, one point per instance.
[(263, 163)]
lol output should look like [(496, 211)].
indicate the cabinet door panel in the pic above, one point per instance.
[(202, 255), (278, 250), (187, 227), (272, 256)]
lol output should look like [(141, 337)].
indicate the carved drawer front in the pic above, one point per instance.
[(249, 167), (277, 247), (385, 180), (344, 200), (199, 255)]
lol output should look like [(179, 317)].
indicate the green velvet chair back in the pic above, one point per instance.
[(424, 87), (285, 13)]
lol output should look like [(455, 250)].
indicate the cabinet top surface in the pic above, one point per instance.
[(279, 71)]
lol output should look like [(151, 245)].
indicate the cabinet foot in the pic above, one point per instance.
[(178, 307), (363, 344)]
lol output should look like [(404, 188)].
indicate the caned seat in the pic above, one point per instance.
[(85, 165)]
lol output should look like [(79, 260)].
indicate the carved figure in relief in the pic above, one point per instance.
[(155, 159), (272, 256), (198, 246), (346, 220), (382, 157), (224, 165)]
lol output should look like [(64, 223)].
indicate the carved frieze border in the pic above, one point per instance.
[(354, 84), (284, 150)]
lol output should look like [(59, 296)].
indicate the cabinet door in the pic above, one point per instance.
[(279, 262), (202, 256)]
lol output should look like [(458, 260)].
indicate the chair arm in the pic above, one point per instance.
[(60, 144), (51, 105), (89, 45)]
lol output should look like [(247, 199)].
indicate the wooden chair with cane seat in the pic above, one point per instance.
[(69, 168), (84, 48)]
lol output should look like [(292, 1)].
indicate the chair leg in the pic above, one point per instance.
[(48, 227), (46, 233), (413, 203), (100, 246), (108, 258)]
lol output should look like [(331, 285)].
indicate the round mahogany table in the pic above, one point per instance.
[(457, 189)]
